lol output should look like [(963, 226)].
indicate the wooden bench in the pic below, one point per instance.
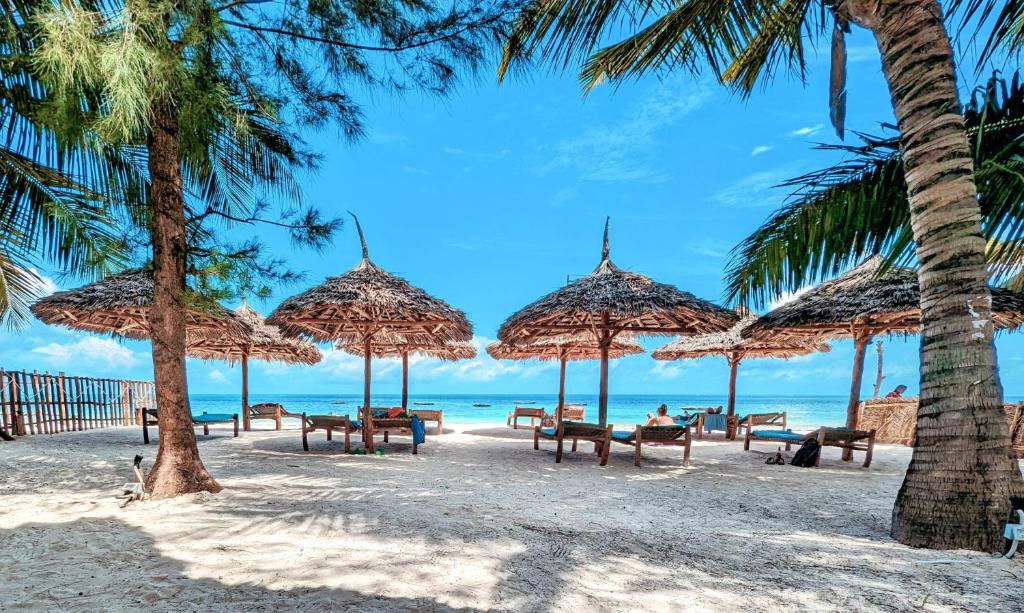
[(656, 435), (844, 438), (576, 431), (513, 417), (433, 415), (760, 419), (149, 418), (391, 425), (574, 412), (329, 423), (271, 410)]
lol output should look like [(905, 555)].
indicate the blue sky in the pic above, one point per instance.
[(491, 197)]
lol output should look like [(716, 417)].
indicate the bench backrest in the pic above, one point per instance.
[(574, 412), (662, 433), (529, 412), (766, 419)]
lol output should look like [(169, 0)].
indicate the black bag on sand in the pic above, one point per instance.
[(807, 455)]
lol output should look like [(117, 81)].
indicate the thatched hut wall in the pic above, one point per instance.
[(895, 420)]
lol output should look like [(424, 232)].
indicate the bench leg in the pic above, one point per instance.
[(605, 447), (305, 440), (515, 422), (686, 447), (236, 426), (145, 430), (558, 451), (746, 442), (329, 432), (415, 448), (637, 441), (870, 450), (574, 445), (536, 438), (385, 436), (206, 429), (277, 422)]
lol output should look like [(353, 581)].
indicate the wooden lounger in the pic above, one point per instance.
[(426, 415), (397, 425), (330, 423), (656, 435), (271, 410), (574, 412), (843, 438), (149, 418), (760, 419), (513, 417), (576, 431)]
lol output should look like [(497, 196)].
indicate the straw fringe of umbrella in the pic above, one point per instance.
[(120, 305)]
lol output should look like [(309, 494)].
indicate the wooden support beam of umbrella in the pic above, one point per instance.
[(609, 303), (391, 346), (353, 308), (262, 342), (867, 301), (564, 350), (734, 348)]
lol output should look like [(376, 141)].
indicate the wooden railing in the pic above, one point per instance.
[(41, 403)]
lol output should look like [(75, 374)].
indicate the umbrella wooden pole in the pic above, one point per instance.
[(405, 379), (367, 413), (561, 387), (860, 344), (245, 391), (734, 362), (605, 341)]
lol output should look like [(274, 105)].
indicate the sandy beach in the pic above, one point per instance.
[(477, 521)]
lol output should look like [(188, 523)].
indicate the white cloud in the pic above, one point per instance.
[(614, 152), (757, 189), (806, 131), (665, 370), (103, 353), (862, 53), (758, 150), (709, 247), (787, 297), (480, 155), (386, 138), (217, 376), (49, 286)]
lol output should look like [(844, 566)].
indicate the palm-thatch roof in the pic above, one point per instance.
[(392, 346), (556, 349), (263, 342), (733, 345), (121, 304), (610, 298), (368, 300), (869, 301)]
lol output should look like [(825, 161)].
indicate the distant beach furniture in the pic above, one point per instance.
[(424, 404), (271, 410), (329, 424), (481, 404), (150, 418), (761, 419), (576, 431), (574, 412), (434, 415), (655, 435), (526, 413)]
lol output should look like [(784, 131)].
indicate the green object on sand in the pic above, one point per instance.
[(380, 452)]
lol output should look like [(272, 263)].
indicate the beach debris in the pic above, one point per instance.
[(133, 491), (778, 459)]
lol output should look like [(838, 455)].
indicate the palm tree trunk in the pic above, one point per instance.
[(178, 468), (957, 490)]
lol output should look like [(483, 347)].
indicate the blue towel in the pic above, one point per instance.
[(547, 431), (212, 417), (714, 421), (777, 435), (419, 433), (622, 436)]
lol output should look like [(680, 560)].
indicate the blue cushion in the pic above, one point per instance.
[(547, 431), (622, 436), (212, 417), (777, 435)]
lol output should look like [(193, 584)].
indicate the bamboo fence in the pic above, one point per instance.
[(43, 403)]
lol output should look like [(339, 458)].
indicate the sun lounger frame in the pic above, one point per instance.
[(434, 415), (149, 418), (658, 435), (532, 413), (329, 423), (271, 410), (760, 419), (601, 437)]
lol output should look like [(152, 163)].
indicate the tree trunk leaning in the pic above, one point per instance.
[(860, 346), (178, 468), (734, 363), (962, 474)]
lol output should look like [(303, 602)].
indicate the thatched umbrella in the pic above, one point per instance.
[(392, 346), (734, 348), (262, 342), (121, 304), (367, 301), (861, 304), (563, 349), (610, 302)]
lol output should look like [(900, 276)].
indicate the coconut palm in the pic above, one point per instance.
[(168, 72), (963, 473), (842, 214)]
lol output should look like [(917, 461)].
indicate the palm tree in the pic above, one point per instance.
[(168, 73), (961, 478), (839, 215)]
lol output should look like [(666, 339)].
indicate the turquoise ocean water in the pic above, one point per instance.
[(623, 410)]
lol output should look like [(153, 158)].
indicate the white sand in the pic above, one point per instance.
[(478, 520)]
